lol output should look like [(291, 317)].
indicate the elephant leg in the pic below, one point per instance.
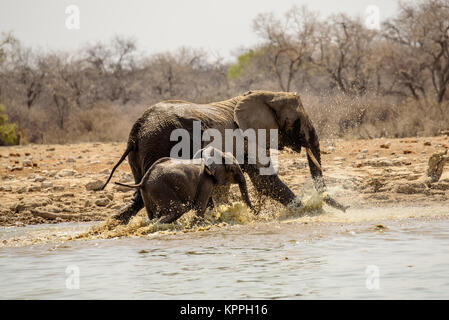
[(210, 203), (133, 207), (176, 210), (148, 203), (130, 209), (270, 185)]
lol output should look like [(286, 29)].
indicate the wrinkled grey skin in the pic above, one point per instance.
[(172, 187), (149, 139)]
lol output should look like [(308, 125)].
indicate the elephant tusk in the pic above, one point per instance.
[(312, 157)]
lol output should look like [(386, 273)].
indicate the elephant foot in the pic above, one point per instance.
[(295, 203), (124, 215), (129, 210), (198, 221)]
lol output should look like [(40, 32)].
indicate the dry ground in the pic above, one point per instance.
[(49, 183)]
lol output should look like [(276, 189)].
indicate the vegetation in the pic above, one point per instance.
[(354, 81), (8, 131)]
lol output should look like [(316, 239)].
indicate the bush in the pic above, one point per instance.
[(8, 131)]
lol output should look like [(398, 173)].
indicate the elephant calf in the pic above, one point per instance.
[(172, 187)]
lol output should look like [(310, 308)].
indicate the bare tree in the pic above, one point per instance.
[(344, 50), (423, 28), (288, 42), (27, 73), (112, 68)]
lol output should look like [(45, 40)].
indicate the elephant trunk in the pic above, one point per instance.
[(240, 178), (314, 159), (316, 170)]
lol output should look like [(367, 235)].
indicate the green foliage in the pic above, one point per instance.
[(8, 131), (236, 70)]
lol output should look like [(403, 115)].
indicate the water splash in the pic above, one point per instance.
[(310, 209), (235, 213)]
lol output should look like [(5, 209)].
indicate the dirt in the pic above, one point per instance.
[(54, 183)]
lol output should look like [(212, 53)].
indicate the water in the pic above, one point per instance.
[(388, 253)]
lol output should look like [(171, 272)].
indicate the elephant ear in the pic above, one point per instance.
[(287, 107), (267, 110), (253, 112)]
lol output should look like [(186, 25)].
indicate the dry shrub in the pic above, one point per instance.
[(102, 122), (334, 116), (373, 116)]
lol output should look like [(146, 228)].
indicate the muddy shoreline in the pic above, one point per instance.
[(53, 183)]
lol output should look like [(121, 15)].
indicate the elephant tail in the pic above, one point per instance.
[(135, 186), (145, 176), (124, 155)]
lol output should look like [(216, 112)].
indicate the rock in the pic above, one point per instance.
[(58, 188), (128, 177), (380, 162), (110, 162), (39, 178), (27, 204), (410, 188), (27, 163), (298, 163), (110, 196), (427, 143), (52, 173), (401, 161), (364, 151), (21, 190), (407, 151), (6, 188), (374, 185), (384, 162), (66, 173), (70, 160), (436, 164), (94, 185), (440, 186), (105, 172), (33, 188), (68, 195), (121, 188), (50, 149), (46, 184), (386, 145), (53, 209), (102, 202)]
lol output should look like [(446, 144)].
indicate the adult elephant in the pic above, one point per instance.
[(149, 139)]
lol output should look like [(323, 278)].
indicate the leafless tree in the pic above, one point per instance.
[(344, 50), (423, 29), (288, 42)]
